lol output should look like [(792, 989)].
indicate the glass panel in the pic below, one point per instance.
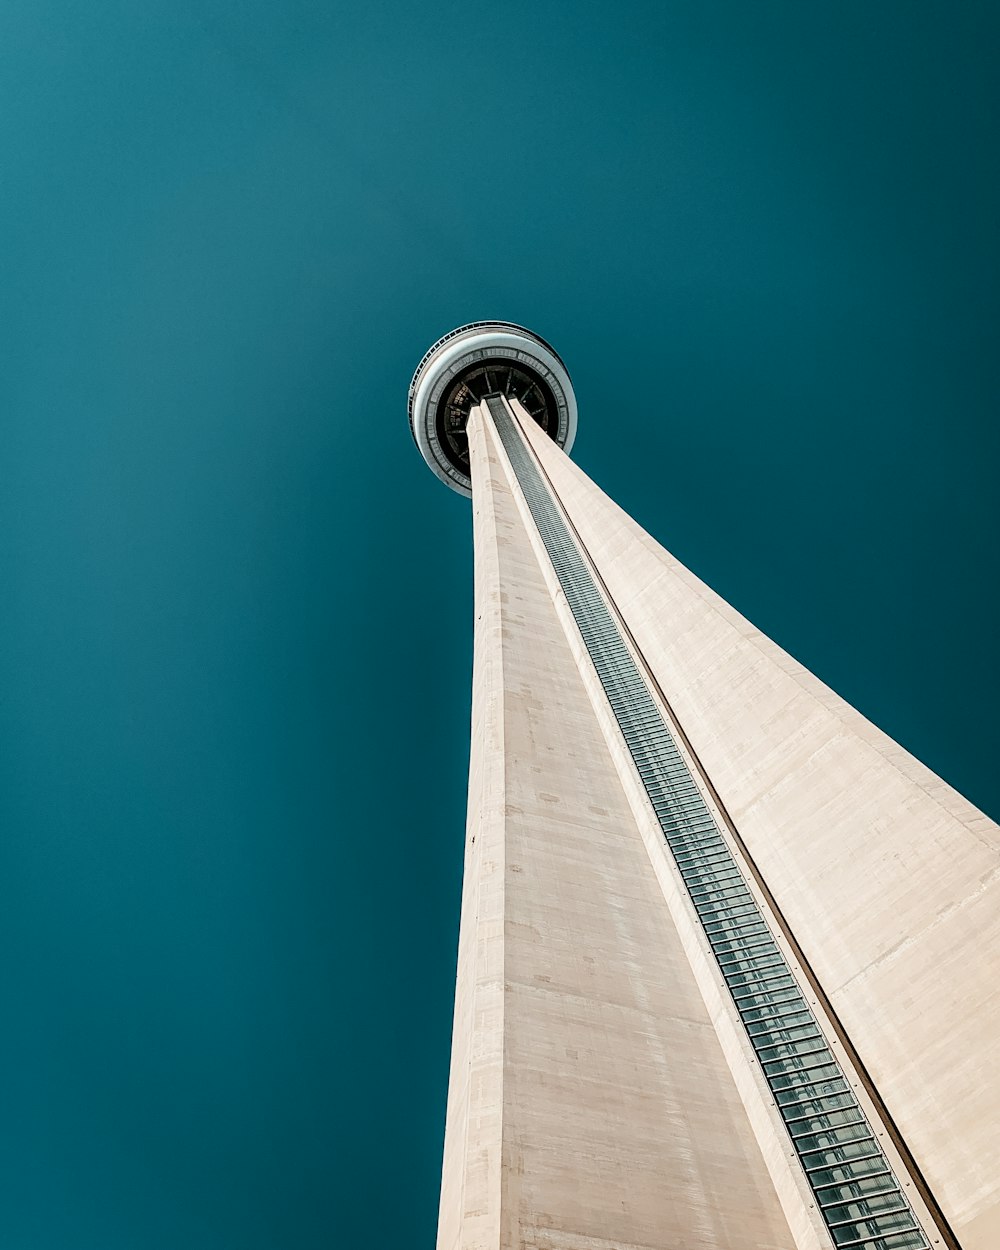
[(780, 1015), (716, 892), (734, 963), (744, 923), (756, 986), (826, 1172), (748, 937), (795, 1071), (805, 1089), (776, 1033), (783, 1052), (777, 991), (861, 1187), (845, 1152), (872, 1230), (879, 1205), (825, 1105), (835, 1138), (807, 1120), (734, 920)]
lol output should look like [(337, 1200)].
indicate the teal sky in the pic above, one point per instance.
[(235, 643)]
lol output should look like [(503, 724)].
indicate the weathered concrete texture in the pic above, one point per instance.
[(888, 878), (591, 1106)]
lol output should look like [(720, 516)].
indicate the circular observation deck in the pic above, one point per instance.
[(476, 360)]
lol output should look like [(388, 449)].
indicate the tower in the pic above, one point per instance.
[(724, 974)]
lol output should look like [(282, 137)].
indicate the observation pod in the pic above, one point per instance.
[(464, 367)]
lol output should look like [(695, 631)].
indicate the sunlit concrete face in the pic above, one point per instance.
[(609, 1086)]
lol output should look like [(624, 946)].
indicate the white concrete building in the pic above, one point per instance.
[(729, 966)]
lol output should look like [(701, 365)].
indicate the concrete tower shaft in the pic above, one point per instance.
[(720, 980)]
